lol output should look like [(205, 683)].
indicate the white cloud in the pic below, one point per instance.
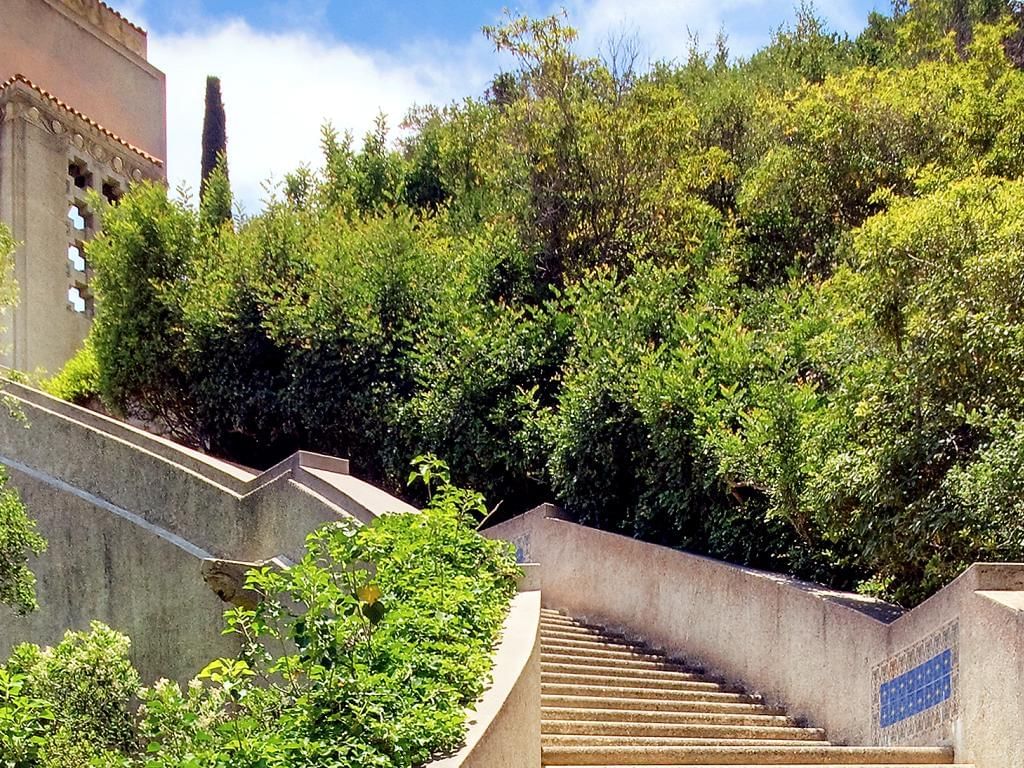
[(279, 89), (664, 27)]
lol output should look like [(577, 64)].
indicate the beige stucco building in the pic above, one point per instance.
[(80, 109)]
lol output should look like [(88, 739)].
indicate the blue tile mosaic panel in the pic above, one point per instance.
[(923, 687), (916, 697), (522, 545)]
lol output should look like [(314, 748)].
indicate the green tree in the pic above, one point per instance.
[(215, 136), (215, 205)]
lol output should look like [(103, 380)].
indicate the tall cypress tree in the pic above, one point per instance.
[(215, 137)]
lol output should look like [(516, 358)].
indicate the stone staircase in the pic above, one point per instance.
[(609, 702)]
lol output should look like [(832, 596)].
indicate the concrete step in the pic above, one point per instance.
[(791, 765), (598, 644), (584, 659), (556, 622), (663, 742), (636, 680), (668, 717), (622, 728), (622, 755), (574, 625), (651, 673), (601, 650), (575, 628), (614, 703), (627, 692), (554, 612), (582, 633)]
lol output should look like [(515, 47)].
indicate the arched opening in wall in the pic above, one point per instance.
[(79, 217), (79, 174), (76, 257), (80, 301), (112, 192)]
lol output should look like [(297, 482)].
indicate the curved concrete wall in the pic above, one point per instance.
[(838, 660), (131, 518), (504, 725)]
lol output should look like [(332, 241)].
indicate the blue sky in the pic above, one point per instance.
[(287, 66)]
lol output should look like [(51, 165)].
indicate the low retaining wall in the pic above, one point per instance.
[(950, 671), (505, 726)]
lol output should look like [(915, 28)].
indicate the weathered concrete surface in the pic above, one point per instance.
[(505, 724), (81, 112), (102, 566), (804, 647), (91, 59), (39, 141), (131, 518)]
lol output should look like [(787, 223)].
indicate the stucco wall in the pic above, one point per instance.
[(84, 65), (822, 654), (100, 566), (39, 140)]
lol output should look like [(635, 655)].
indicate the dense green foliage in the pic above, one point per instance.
[(72, 701), (19, 539), (766, 309), (79, 380), (365, 654)]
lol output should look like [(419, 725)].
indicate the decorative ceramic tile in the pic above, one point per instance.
[(916, 691), (522, 545)]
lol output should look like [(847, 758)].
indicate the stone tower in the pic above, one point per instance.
[(80, 109)]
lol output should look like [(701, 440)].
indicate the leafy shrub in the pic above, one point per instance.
[(24, 723), (19, 540), (78, 695), (79, 380), (390, 629)]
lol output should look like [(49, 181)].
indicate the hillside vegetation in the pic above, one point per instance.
[(767, 309), (364, 654)]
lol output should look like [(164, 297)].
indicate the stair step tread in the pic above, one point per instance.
[(667, 717), (741, 755), (585, 634), (631, 681), (633, 692), (579, 630), (700, 730), (622, 652), (778, 765), (665, 742), (652, 673), (635, 662), (655, 704)]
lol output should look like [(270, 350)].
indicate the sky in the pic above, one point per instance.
[(288, 66)]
